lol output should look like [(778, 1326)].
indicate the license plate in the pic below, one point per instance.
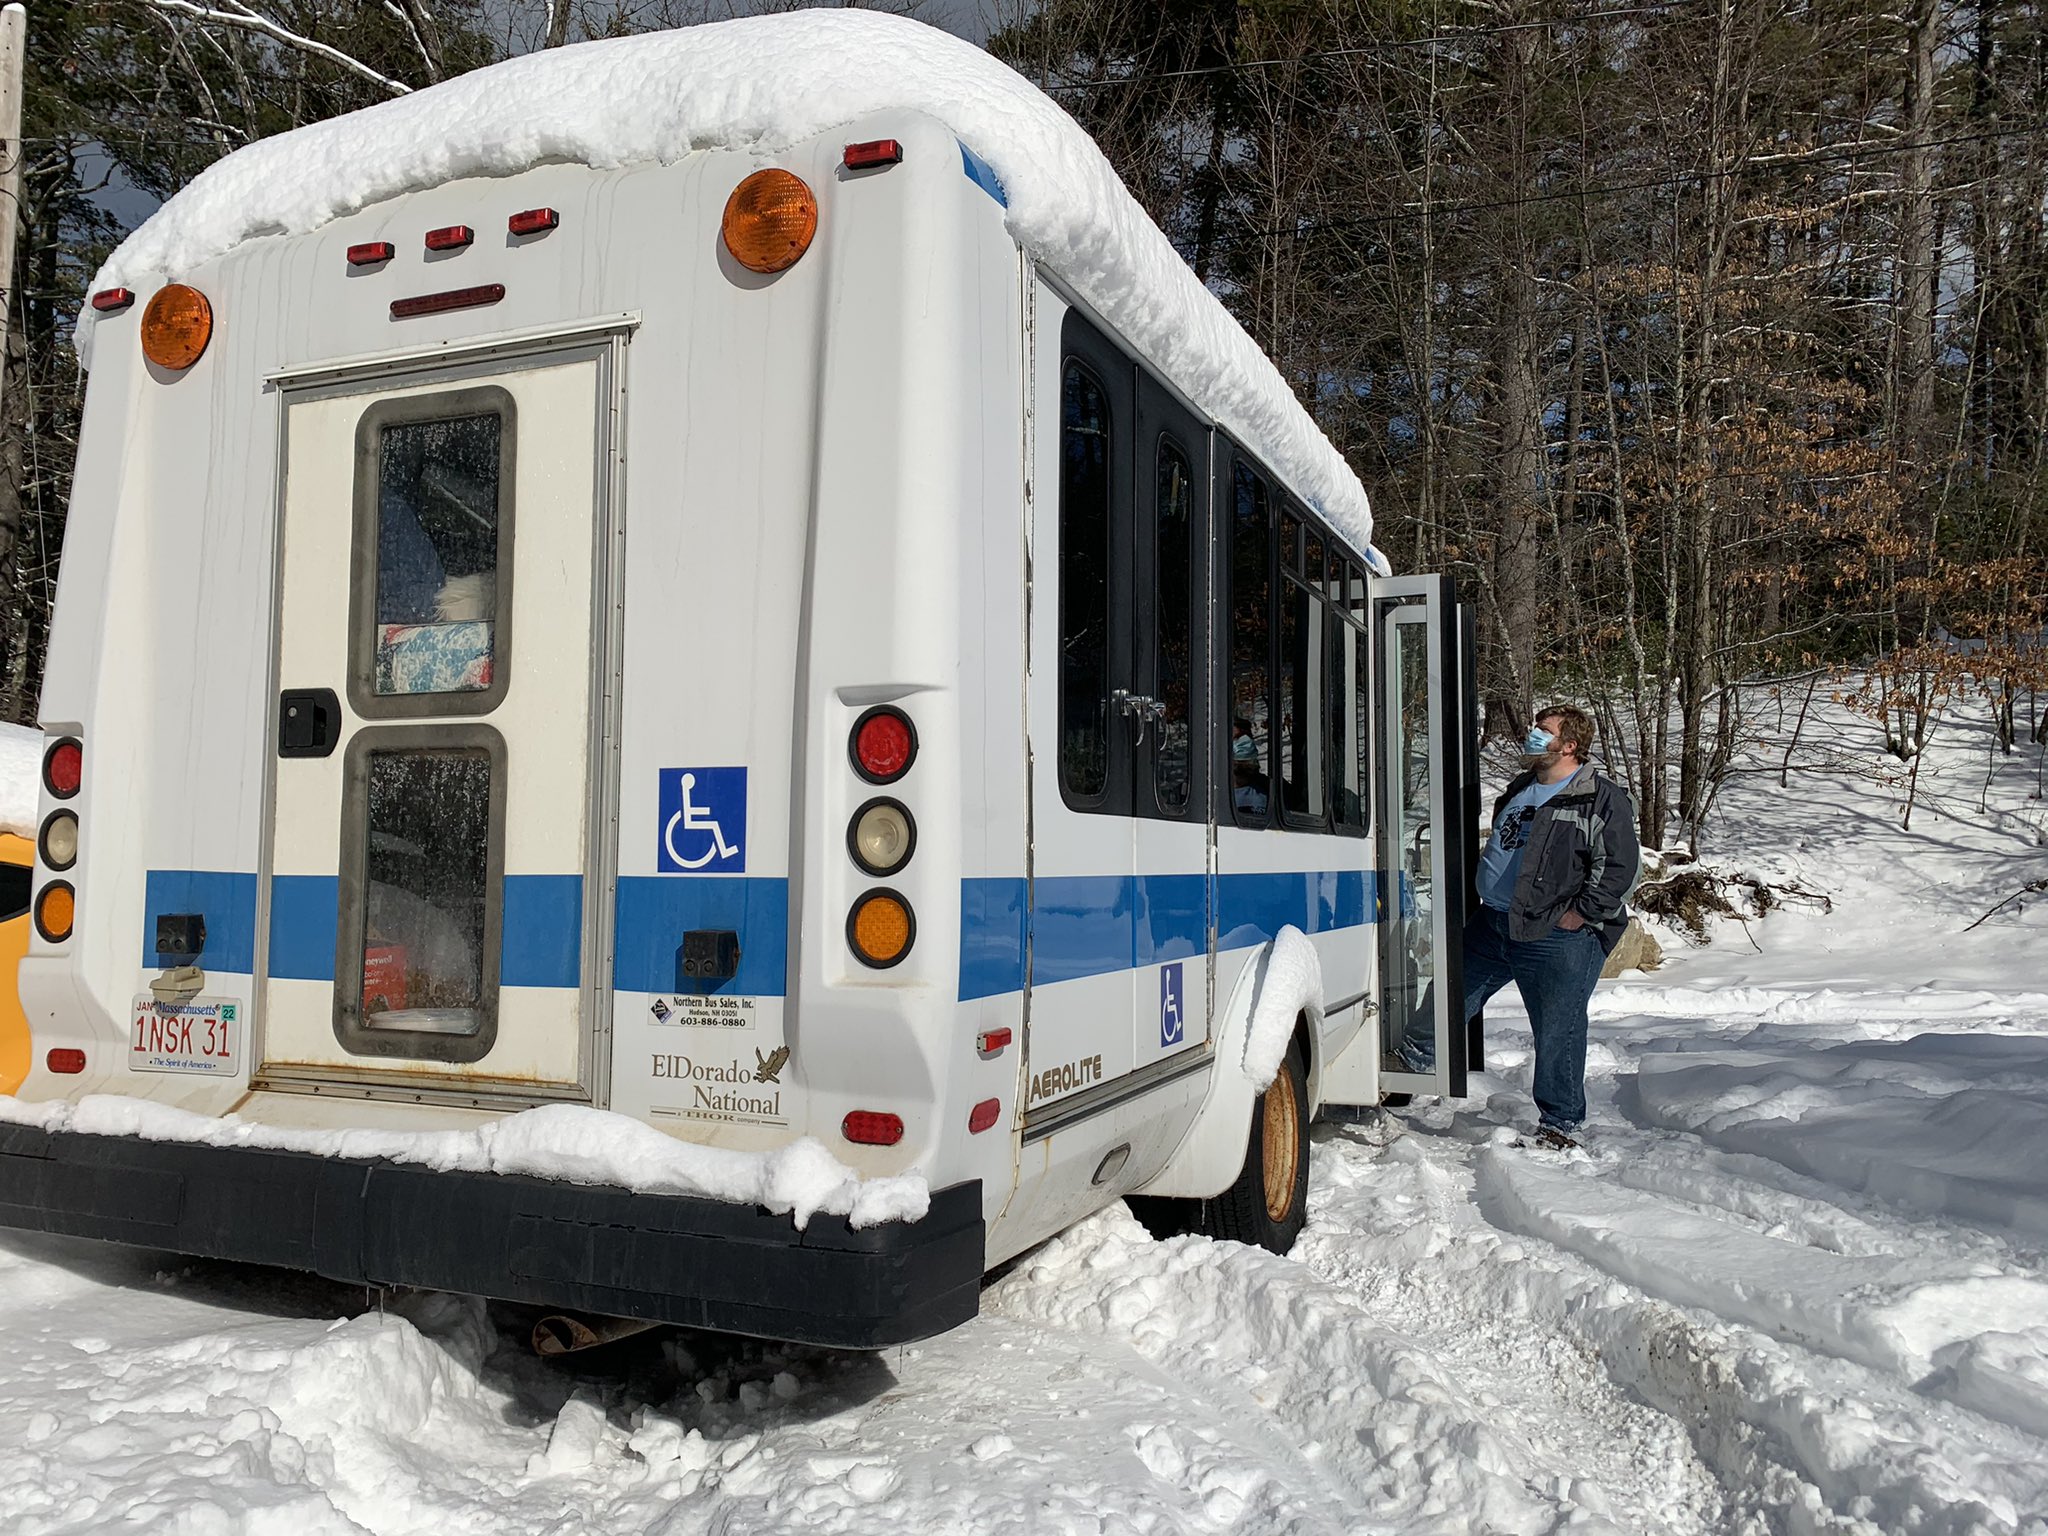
[(203, 1035)]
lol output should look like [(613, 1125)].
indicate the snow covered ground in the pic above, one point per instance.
[(1797, 1281)]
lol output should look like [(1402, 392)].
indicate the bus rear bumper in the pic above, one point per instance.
[(577, 1247)]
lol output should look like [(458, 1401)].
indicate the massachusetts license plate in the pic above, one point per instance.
[(201, 1035)]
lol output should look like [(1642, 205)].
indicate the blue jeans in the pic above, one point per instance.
[(1556, 975)]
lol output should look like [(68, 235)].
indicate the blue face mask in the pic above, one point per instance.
[(1538, 741)]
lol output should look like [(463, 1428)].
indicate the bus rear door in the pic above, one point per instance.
[(429, 881)]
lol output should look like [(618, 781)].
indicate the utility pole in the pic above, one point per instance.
[(13, 45)]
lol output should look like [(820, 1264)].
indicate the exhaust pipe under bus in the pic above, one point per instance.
[(566, 1333)]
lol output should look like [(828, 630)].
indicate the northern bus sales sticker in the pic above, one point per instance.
[(203, 1035)]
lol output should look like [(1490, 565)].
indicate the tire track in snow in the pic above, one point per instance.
[(1415, 1448), (1396, 1231), (1800, 1442)]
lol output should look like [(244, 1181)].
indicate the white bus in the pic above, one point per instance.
[(750, 635)]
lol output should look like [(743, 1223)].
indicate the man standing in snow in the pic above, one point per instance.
[(1553, 886)]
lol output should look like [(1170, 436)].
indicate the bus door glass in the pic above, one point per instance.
[(1421, 877), (1169, 725), (428, 881)]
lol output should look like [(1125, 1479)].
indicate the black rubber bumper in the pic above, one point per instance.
[(579, 1247)]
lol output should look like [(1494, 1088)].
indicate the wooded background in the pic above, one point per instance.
[(1705, 341)]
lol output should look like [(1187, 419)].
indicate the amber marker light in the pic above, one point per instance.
[(56, 910), (769, 221), (176, 327), (880, 928)]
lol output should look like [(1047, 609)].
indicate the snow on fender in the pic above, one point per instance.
[(1289, 982)]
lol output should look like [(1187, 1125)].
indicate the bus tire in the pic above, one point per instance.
[(1268, 1204)]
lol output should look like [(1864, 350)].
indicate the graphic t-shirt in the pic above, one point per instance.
[(1502, 862)]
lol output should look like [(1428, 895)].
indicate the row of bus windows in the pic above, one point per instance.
[(1133, 621), (1300, 669)]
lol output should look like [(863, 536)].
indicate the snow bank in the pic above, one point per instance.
[(21, 762), (558, 1141), (1290, 983), (761, 84), (1944, 1124)]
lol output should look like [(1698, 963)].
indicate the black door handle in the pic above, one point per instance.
[(308, 722)]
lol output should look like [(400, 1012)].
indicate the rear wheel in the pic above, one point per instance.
[(1268, 1204)]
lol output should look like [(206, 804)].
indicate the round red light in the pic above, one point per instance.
[(984, 1115), (64, 768), (883, 745)]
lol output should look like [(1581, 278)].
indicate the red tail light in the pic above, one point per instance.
[(534, 221), (64, 768), (452, 238), (861, 157), (872, 1128), (370, 252), (112, 298), (983, 1115), (884, 745), (989, 1041), (65, 1061), (454, 298)]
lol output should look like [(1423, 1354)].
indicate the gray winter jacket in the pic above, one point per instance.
[(1582, 854)]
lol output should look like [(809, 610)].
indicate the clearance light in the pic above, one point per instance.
[(64, 767), (881, 929), (983, 1115), (534, 221), (769, 221), (872, 1128), (881, 837), (66, 1061), (176, 327), (59, 841), (884, 745), (371, 252), (991, 1042), (451, 238), (112, 298), (441, 303), (862, 157), (56, 910)]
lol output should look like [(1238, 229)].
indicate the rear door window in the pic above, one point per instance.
[(431, 599)]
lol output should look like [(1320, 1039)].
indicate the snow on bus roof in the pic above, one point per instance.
[(761, 84)]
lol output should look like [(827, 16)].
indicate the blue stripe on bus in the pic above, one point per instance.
[(543, 924), (1095, 925), (303, 913), (993, 925), (982, 174), (543, 943), (228, 902), (654, 911)]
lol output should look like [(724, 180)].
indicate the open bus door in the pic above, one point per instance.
[(1426, 846)]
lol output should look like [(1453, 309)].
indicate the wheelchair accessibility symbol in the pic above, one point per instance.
[(1173, 1024), (703, 815)]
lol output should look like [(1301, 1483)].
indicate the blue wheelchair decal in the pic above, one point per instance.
[(1173, 1025), (703, 816)]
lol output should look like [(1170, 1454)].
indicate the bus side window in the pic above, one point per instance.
[(1173, 624), (1251, 555), (1303, 682), (1084, 585)]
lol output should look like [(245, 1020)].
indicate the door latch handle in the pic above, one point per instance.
[(308, 722)]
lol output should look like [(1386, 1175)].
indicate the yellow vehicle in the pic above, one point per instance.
[(17, 859)]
